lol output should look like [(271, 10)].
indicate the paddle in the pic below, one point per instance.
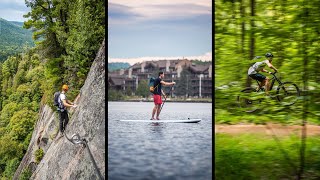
[(165, 98)]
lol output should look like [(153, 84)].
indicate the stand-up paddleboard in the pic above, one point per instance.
[(165, 121)]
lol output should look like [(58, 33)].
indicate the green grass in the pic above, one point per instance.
[(225, 116), (250, 156)]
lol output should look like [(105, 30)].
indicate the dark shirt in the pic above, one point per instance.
[(157, 89)]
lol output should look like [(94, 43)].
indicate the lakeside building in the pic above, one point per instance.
[(199, 77)]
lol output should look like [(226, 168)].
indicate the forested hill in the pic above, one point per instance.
[(13, 38), (20, 24), (117, 65)]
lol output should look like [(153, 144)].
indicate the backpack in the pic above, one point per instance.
[(151, 84), (56, 100)]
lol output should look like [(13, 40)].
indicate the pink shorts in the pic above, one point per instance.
[(157, 99)]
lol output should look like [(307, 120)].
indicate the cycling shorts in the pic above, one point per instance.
[(258, 77)]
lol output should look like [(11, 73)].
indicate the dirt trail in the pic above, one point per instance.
[(269, 129)]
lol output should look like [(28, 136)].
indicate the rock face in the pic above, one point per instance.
[(63, 159)]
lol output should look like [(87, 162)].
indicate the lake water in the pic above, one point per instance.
[(143, 150)]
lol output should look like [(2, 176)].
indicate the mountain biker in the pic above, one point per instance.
[(253, 71)]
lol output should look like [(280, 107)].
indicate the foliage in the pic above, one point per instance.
[(26, 174), (38, 155), (114, 95), (21, 124), (86, 23), (183, 87), (9, 149), (20, 98), (143, 89), (69, 34), (199, 62), (11, 167), (128, 91)]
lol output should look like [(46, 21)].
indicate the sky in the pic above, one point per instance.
[(13, 10), (159, 29)]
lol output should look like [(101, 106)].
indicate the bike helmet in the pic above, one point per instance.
[(268, 55)]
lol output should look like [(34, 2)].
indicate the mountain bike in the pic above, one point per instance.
[(287, 94)]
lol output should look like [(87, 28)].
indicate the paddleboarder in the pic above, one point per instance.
[(157, 94)]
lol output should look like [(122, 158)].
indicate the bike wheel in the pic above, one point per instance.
[(247, 101), (288, 93)]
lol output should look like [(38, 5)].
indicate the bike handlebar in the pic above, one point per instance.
[(273, 73)]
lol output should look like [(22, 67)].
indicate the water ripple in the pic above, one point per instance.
[(159, 150)]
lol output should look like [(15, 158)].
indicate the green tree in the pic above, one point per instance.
[(87, 31), (7, 112), (183, 86), (19, 108), (11, 167), (114, 95), (26, 174), (42, 19), (9, 150), (143, 89), (70, 34), (128, 91), (21, 124)]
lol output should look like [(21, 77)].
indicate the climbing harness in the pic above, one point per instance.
[(75, 139)]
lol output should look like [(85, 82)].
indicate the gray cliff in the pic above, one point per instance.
[(63, 159)]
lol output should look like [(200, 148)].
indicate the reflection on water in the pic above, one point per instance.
[(155, 124), (156, 129), (159, 150)]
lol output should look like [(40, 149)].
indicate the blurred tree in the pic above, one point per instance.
[(252, 37)]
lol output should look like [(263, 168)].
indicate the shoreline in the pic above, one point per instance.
[(174, 101)]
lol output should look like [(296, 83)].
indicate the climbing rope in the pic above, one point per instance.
[(75, 139)]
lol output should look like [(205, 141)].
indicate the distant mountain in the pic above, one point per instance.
[(13, 38), (20, 24), (116, 66)]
